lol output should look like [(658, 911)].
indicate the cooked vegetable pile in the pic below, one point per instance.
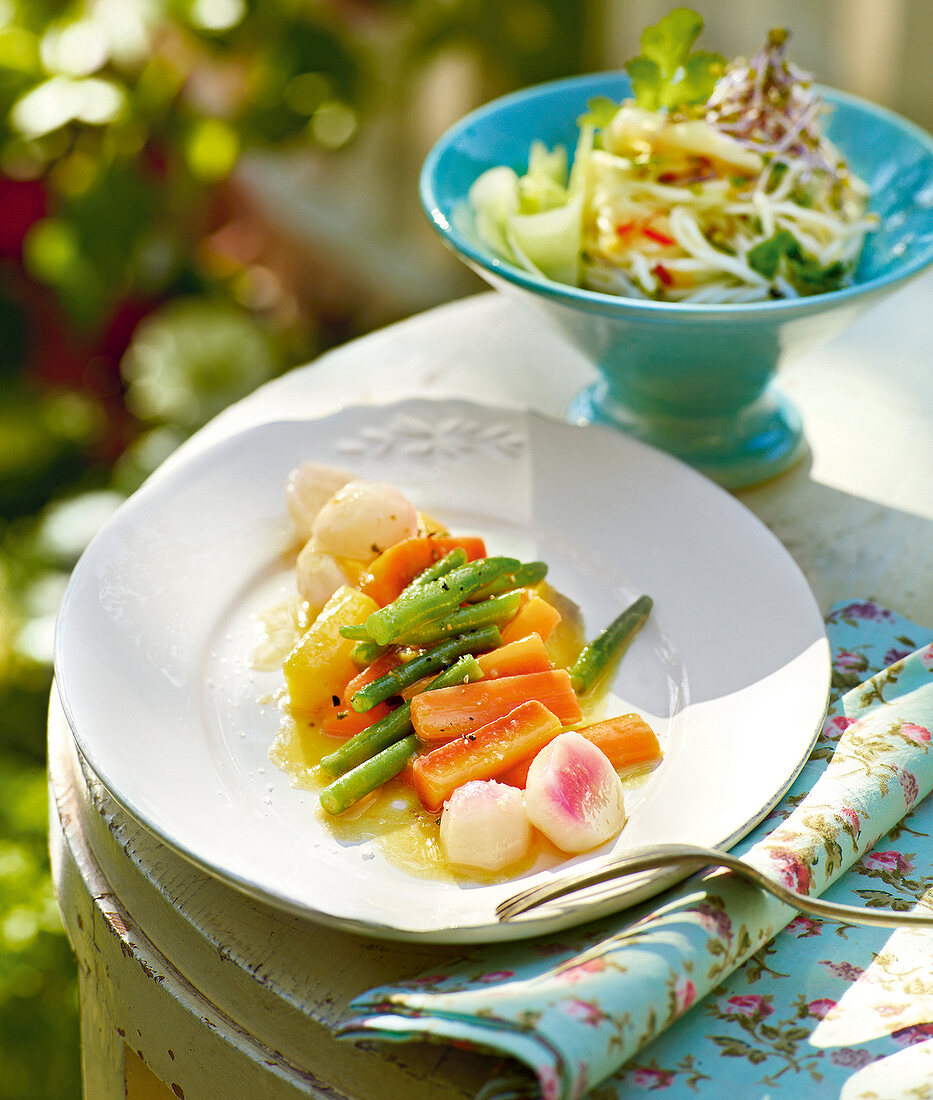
[(427, 659), (714, 183)]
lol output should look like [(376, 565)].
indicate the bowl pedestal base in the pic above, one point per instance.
[(736, 451)]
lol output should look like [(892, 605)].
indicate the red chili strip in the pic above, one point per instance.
[(657, 235)]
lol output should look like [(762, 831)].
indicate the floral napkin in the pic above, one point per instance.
[(573, 1008)]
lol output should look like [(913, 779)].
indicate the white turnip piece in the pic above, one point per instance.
[(308, 488), (318, 576), (573, 794), (363, 518), (483, 826)]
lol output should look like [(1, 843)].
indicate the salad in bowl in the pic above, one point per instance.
[(713, 182), (691, 226)]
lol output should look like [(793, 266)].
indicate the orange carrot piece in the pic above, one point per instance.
[(399, 564), (450, 712), (517, 658), (484, 753), (384, 663), (340, 719), (343, 721), (627, 741), (537, 616), (517, 775)]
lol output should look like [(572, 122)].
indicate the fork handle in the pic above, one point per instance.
[(693, 859)]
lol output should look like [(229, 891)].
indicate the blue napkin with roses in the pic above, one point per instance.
[(625, 1004)]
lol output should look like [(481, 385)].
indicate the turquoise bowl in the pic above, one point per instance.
[(695, 380)]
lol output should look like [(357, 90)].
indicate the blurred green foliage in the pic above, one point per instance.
[(123, 327)]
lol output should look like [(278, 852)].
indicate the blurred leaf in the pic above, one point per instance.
[(67, 526), (64, 99), (19, 52), (76, 47), (86, 252), (333, 124), (13, 335), (519, 41), (24, 697), (295, 73), (158, 83), (144, 455), (34, 458), (193, 357), (211, 149), (52, 251), (39, 1048), (110, 217), (73, 416), (216, 16)]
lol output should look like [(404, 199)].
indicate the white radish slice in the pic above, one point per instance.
[(308, 488), (363, 518), (573, 794), (483, 826)]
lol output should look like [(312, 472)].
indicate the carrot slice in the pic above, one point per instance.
[(517, 775), (343, 721), (399, 564), (537, 616), (340, 719), (528, 654), (627, 741), (384, 663), (482, 754), (463, 708)]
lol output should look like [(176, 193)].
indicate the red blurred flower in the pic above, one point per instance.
[(22, 204)]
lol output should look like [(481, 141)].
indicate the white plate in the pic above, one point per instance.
[(156, 631)]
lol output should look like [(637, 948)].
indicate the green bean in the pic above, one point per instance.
[(465, 671), (496, 610), (450, 561), (366, 743), (396, 724), (355, 632), (397, 679), (458, 556), (372, 773), (527, 574), (364, 653), (421, 603), (606, 649)]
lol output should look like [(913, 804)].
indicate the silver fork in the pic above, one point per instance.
[(688, 858)]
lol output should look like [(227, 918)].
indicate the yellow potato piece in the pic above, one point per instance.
[(320, 665)]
